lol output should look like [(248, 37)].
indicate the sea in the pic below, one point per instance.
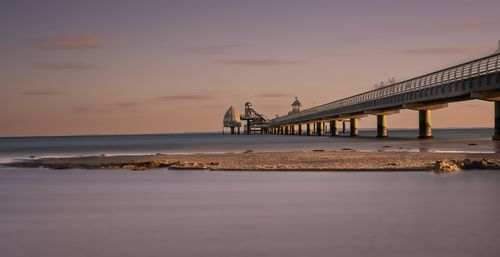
[(186, 213)]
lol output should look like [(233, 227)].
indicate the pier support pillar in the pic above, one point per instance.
[(333, 128), (381, 125), (292, 129), (248, 127), (343, 127), (354, 127), (424, 124), (300, 129), (308, 129), (496, 136), (232, 130), (318, 128), (287, 130)]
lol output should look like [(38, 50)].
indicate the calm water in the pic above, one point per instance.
[(75, 213), (122, 213), (399, 140)]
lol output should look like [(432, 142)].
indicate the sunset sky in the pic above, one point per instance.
[(125, 67)]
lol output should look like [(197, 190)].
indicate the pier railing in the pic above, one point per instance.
[(476, 68)]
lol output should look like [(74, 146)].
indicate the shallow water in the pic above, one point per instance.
[(454, 140), (200, 213)]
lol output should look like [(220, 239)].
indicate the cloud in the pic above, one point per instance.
[(66, 66), (41, 93), (472, 24), (69, 42), (100, 108), (192, 97), (436, 50), (126, 104), (273, 95), (213, 106), (257, 62), (208, 49), (83, 108)]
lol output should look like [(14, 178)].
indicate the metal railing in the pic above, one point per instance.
[(468, 70)]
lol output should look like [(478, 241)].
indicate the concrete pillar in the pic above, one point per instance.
[(300, 129), (248, 127), (232, 130), (424, 124), (333, 128), (381, 125), (318, 128), (308, 128), (496, 136), (343, 127), (354, 127), (292, 129)]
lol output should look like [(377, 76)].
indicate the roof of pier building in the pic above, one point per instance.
[(231, 118)]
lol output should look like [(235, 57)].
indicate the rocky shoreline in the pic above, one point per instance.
[(279, 161)]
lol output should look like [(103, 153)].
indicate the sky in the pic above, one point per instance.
[(147, 66)]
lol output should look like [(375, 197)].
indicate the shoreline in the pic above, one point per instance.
[(278, 161)]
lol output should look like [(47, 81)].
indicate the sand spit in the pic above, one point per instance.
[(280, 161)]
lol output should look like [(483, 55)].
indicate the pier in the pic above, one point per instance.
[(477, 79)]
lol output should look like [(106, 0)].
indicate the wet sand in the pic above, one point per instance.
[(276, 161)]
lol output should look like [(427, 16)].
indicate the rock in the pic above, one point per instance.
[(248, 151), (318, 150), (477, 164), (213, 163), (445, 167), (472, 144), (189, 166)]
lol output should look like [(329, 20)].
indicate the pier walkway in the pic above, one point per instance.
[(477, 79)]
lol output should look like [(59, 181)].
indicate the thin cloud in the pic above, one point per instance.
[(208, 49), (114, 107), (83, 108), (66, 66), (192, 97), (273, 95), (41, 93), (472, 24), (69, 42), (436, 50), (257, 62), (213, 106), (127, 104)]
